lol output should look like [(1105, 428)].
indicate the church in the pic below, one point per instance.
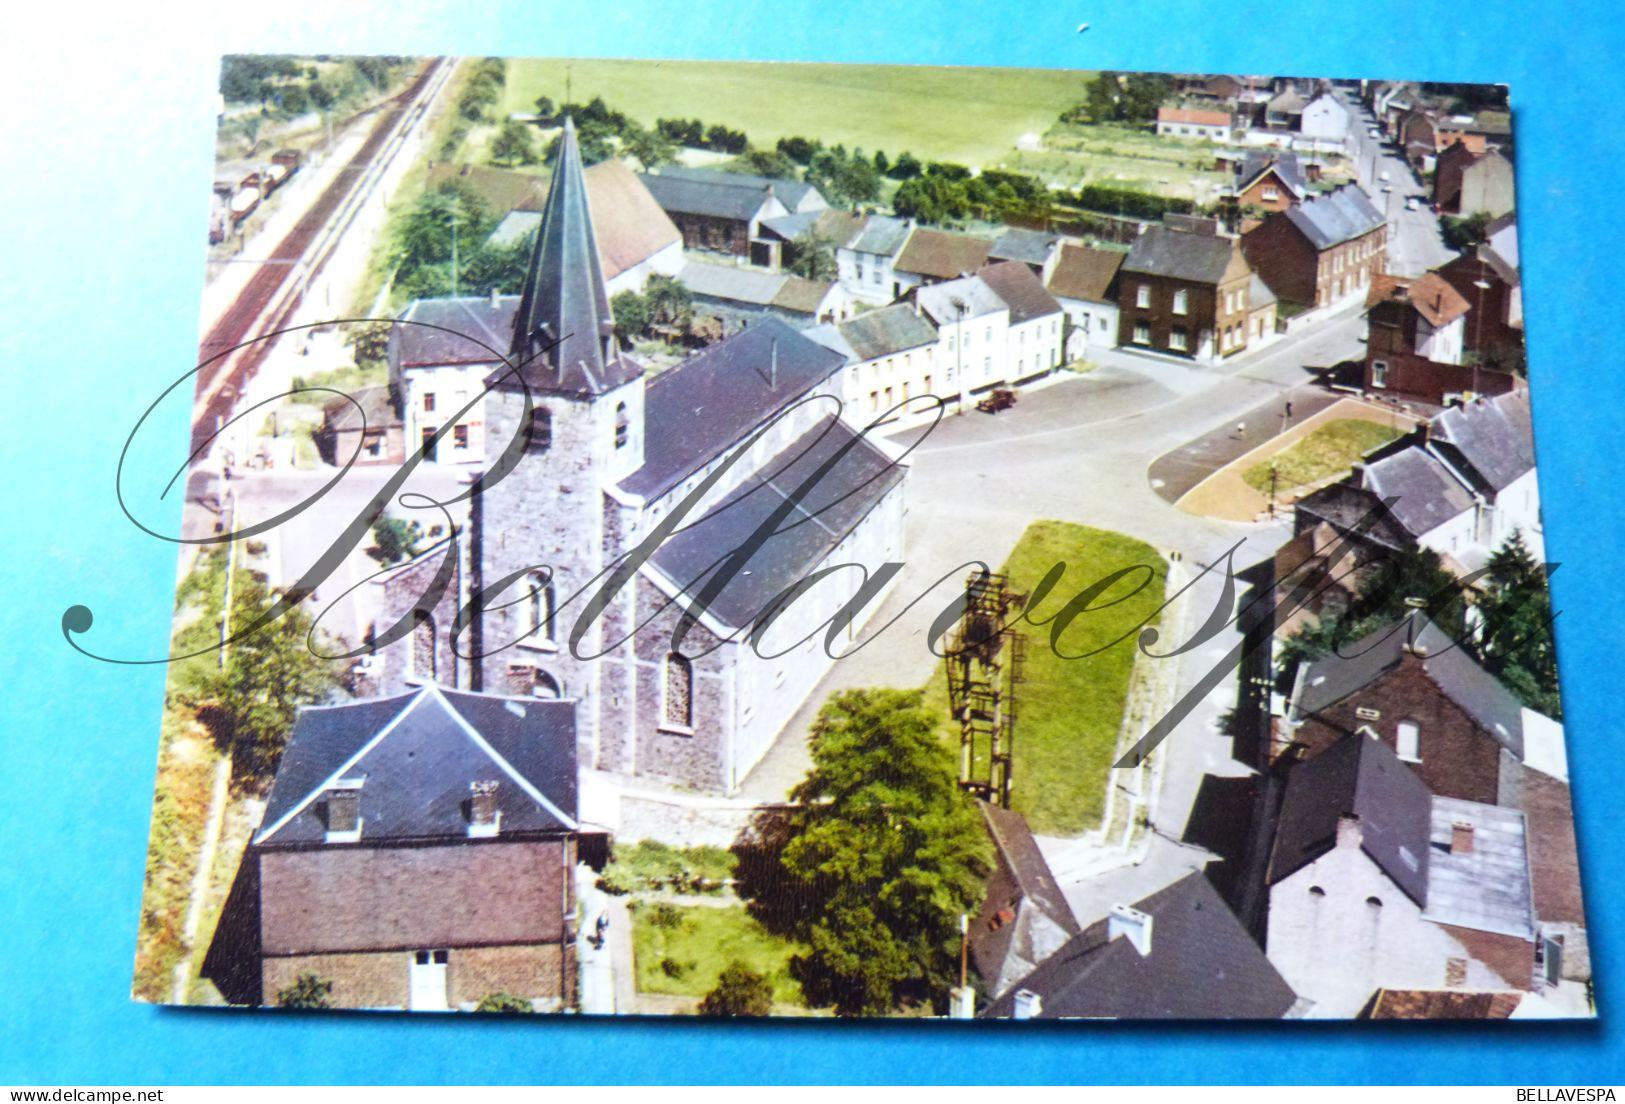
[(725, 497)]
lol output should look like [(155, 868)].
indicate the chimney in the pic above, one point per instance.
[(1028, 1005), (483, 818), (495, 296), (1349, 832), (1131, 923), (1461, 838)]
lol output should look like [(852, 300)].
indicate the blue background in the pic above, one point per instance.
[(108, 128)]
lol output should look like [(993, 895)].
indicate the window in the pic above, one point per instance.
[(1177, 338), (1373, 902), (428, 401), (987, 367), (541, 429), (1182, 301), (1409, 739), (989, 334), (878, 276), (1142, 333), (459, 436), (1142, 295), (540, 608), (1271, 193), (1379, 373), (621, 425), (874, 402), (679, 692), (927, 385), (426, 976)]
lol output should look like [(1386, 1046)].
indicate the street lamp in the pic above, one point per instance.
[(1482, 285)]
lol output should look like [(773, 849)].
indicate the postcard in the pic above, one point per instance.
[(728, 539)]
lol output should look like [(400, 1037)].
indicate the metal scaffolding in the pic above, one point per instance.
[(986, 658)]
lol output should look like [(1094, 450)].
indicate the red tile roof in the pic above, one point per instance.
[(1186, 115)]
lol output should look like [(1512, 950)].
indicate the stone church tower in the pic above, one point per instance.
[(547, 529)]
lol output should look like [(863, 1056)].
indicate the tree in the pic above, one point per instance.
[(513, 144), (1462, 233), (394, 539), (739, 991), (650, 148), (812, 256), (544, 107), (670, 301), (768, 163), (632, 314), (1515, 640), (594, 138), (268, 675), (885, 850), (881, 162), (309, 991), (503, 1001), (800, 150), (906, 167), (370, 340)]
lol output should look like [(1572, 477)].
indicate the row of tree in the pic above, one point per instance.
[(442, 247), (483, 89), (1121, 98), (294, 86)]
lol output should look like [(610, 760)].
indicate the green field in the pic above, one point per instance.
[(1329, 450), (1123, 157), (971, 116), (1070, 709), (684, 955)]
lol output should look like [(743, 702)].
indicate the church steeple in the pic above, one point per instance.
[(564, 337)]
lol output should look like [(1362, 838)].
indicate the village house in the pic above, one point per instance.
[(607, 456), (1324, 121), (1374, 882), (1033, 337), (738, 295), (1084, 281), (974, 325), (1034, 248), (1487, 276), (864, 260), (933, 256), (363, 424), (1416, 337), (440, 351), (892, 356), (1184, 122), (1469, 183), (1024, 917), (787, 235), (418, 852), (723, 212), (1316, 253), (1179, 953), (1270, 180), (1284, 111), (1184, 293)]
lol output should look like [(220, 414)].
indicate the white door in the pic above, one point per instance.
[(428, 982)]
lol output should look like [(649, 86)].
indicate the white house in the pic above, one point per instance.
[(864, 261), (1182, 122), (1325, 120), (1084, 282), (440, 352), (1033, 339), (1489, 445), (974, 323), (892, 357), (1376, 883)]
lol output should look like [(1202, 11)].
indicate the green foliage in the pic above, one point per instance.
[(887, 852), (772, 163), (424, 239), (845, 179), (514, 144), (394, 539), (906, 167), (483, 89), (798, 149), (665, 301), (651, 866), (696, 135), (1125, 202), (739, 991), (545, 109), (703, 945), (632, 314), (675, 969), (1461, 233), (812, 255), (370, 340), (503, 1001), (1120, 98), (309, 991), (595, 139), (666, 916), (1515, 640), (1329, 449), (650, 148)]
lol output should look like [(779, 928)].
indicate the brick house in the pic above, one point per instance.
[(1488, 278), (1184, 293), (1270, 180), (1467, 181), (418, 851), (1374, 883), (1315, 253), (1417, 332)]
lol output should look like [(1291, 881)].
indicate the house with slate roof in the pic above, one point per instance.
[(1024, 917), (1321, 251), (1084, 281), (1179, 953), (1033, 336), (723, 212), (974, 324), (1184, 293), (1034, 248), (1487, 276), (1374, 882), (893, 355), (865, 259), (418, 851), (738, 295), (698, 497), (1467, 182), (1271, 180)]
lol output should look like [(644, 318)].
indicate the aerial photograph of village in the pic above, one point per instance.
[(712, 538)]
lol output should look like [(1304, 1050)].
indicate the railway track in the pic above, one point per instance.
[(273, 294)]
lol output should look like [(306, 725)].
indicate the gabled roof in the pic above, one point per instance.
[(1084, 272), (1289, 102), (501, 190), (942, 255), (1336, 217), (630, 225), (694, 412), (844, 478), (364, 408), (414, 756), (467, 330), (1285, 165), (1202, 965), (1492, 438), (1024, 917), (792, 193), (1199, 258), (882, 235), (737, 201), (1021, 289), (1187, 115), (877, 333), (754, 287), (1426, 493), (947, 302), (1448, 665), (563, 336), (1360, 777), (826, 222), (1029, 246), (1345, 505), (1430, 294), (1259, 294)]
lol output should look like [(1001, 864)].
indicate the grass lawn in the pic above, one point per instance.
[(1070, 709), (698, 942), (1328, 450), (1123, 157), (969, 115)]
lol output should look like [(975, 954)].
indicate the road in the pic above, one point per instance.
[(1414, 242)]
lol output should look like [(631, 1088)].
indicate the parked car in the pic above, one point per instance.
[(1412, 203), (1383, 176), (1001, 399)]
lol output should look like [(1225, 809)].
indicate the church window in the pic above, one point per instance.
[(541, 429), (679, 692), (621, 425), (540, 603), (423, 650)]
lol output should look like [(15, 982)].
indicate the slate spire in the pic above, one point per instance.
[(564, 337)]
